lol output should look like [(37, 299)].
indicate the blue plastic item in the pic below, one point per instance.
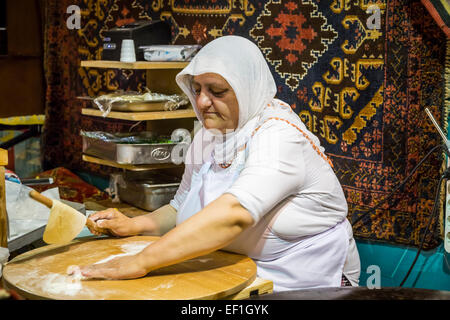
[(431, 271)]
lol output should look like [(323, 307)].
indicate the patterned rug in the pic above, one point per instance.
[(440, 11), (359, 74), (70, 186)]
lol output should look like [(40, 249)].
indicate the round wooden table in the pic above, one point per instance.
[(41, 273)]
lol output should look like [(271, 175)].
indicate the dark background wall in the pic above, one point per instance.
[(21, 66)]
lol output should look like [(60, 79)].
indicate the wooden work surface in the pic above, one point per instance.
[(41, 274), (125, 208)]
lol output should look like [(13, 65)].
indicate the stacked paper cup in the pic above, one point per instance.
[(127, 53)]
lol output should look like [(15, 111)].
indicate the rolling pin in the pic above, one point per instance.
[(68, 210)]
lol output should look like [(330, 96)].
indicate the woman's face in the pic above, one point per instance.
[(216, 102)]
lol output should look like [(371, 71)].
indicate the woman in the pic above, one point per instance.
[(256, 183)]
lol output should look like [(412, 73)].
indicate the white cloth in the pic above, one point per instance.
[(300, 237), (246, 72)]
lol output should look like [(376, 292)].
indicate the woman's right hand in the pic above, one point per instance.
[(116, 223)]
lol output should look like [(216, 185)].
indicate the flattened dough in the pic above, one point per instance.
[(64, 224)]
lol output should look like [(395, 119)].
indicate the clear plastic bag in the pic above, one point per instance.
[(144, 137), (171, 102), (170, 52)]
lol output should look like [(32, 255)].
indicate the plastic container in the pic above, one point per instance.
[(169, 52)]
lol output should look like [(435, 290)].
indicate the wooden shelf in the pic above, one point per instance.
[(130, 167), (145, 65), (160, 77), (142, 116)]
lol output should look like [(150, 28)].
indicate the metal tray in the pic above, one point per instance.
[(32, 235), (136, 106), (128, 153), (148, 191), (145, 106)]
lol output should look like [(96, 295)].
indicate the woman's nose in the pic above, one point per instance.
[(203, 101)]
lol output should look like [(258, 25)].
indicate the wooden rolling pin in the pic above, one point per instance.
[(68, 210)]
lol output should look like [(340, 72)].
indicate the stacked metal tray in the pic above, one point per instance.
[(145, 190)]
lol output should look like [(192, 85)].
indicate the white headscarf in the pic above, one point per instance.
[(240, 62)]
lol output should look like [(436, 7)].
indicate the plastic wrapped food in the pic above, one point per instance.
[(136, 148), (144, 137), (135, 101), (170, 52)]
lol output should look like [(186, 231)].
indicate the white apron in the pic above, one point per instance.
[(310, 262)]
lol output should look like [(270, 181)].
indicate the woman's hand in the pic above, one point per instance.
[(115, 222), (212, 228), (126, 267)]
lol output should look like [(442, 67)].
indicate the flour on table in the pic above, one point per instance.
[(57, 284), (167, 285), (203, 260), (129, 250), (71, 284), (75, 273)]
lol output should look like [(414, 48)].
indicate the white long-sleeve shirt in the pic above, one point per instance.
[(282, 173), (286, 183)]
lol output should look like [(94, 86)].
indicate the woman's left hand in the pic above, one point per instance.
[(127, 267)]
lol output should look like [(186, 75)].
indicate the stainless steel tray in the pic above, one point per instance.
[(148, 191), (128, 153), (136, 106)]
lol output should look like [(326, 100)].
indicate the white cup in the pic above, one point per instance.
[(127, 53)]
